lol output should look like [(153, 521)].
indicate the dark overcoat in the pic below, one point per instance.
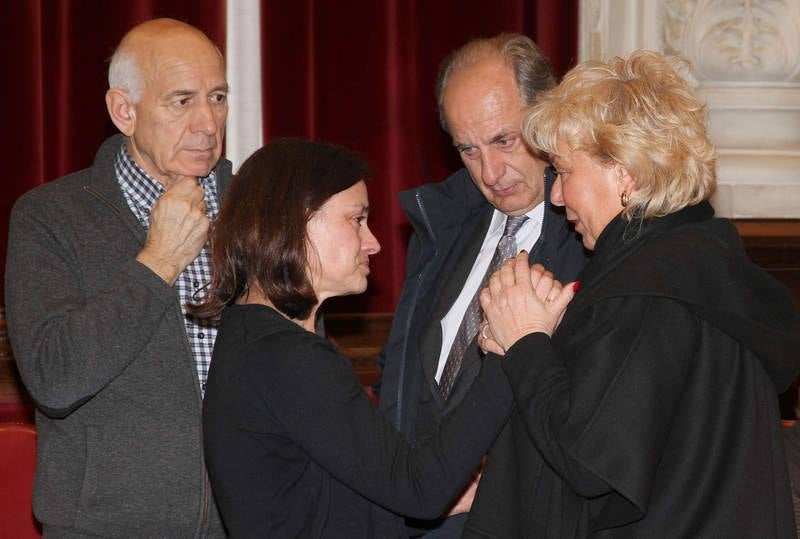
[(652, 412)]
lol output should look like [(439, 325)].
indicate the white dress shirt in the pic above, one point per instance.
[(526, 238)]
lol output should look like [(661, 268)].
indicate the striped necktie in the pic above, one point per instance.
[(506, 248)]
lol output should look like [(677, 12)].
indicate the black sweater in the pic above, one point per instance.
[(296, 449)]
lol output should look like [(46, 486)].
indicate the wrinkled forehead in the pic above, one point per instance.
[(164, 65), (485, 88)]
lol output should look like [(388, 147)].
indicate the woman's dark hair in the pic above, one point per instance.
[(259, 238)]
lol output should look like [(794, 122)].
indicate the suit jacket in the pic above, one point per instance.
[(652, 412), (450, 220), (100, 344)]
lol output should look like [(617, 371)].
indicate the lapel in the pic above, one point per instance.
[(470, 365), (463, 244), (459, 263)]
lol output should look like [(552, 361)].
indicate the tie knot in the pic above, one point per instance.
[(513, 224)]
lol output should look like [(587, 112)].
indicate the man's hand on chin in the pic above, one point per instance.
[(178, 230)]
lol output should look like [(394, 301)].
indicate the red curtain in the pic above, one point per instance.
[(364, 77), (54, 54), (357, 73)]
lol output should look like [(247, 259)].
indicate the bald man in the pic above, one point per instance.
[(101, 264)]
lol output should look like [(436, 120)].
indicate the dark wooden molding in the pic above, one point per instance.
[(774, 244), (786, 228)]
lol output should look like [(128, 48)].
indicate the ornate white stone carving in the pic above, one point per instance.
[(744, 58), (736, 40)]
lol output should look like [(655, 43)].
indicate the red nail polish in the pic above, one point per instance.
[(576, 286)]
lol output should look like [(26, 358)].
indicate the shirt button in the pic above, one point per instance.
[(201, 335), (196, 284)]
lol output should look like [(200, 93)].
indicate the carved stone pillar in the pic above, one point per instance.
[(744, 58)]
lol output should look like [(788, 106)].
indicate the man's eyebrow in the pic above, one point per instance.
[(184, 92), (501, 135), (181, 93)]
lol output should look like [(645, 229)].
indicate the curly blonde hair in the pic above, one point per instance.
[(637, 112)]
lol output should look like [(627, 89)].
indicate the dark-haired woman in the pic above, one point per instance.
[(293, 445)]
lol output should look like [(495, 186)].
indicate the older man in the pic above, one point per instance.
[(463, 227), (100, 266)]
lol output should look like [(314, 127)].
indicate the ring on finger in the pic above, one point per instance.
[(484, 326)]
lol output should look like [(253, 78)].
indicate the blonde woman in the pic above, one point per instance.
[(647, 406)]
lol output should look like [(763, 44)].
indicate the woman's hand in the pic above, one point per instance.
[(520, 300)]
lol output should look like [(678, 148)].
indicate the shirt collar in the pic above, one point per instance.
[(535, 215), (135, 175), (146, 182)]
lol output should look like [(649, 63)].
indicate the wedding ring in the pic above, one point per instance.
[(484, 325)]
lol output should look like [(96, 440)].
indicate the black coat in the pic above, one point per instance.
[(653, 411), (295, 448)]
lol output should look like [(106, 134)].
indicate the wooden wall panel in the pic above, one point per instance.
[(360, 337), (775, 246)]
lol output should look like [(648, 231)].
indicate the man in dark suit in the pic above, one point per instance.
[(463, 227)]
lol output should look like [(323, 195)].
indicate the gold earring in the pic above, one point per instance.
[(624, 198)]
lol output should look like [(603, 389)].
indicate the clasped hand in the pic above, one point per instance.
[(520, 300)]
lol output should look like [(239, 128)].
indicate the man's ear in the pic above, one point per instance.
[(121, 110)]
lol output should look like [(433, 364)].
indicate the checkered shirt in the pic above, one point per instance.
[(141, 192)]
